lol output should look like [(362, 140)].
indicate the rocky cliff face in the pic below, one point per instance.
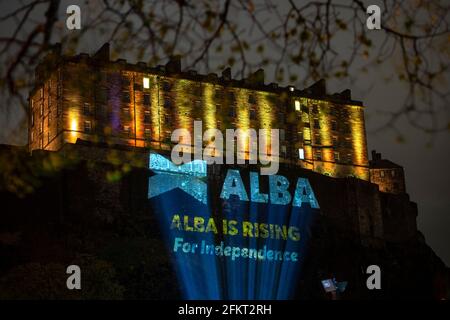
[(89, 206)]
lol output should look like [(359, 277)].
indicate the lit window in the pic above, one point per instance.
[(146, 83), (301, 154), (291, 88), (382, 174), (297, 105)]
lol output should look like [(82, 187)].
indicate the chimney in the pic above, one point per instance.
[(257, 77), (226, 74), (56, 48), (376, 155), (103, 52), (174, 64), (318, 88), (346, 94)]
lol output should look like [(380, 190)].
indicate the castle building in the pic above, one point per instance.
[(388, 175), (91, 98)]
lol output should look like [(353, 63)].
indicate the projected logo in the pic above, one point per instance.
[(246, 244), (168, 176)]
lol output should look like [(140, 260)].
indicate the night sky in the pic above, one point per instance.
[(423, 156)]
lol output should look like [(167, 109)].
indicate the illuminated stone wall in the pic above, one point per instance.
[(391, 180), (119, 103)]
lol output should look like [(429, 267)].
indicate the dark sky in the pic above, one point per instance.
[(424, 157)]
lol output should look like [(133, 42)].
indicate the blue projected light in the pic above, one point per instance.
[(239, 249), (169, 176)]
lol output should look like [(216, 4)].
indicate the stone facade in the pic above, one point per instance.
[(389, 176), (95, 99)]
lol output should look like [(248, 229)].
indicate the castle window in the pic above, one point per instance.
[(32, 117), (252, 113), (349, 158), (318, 155), (125, 82), (86, 109), (32, 136), (335, 141), (316, 124), (146, 99), (305, 118), (315, 109), (146, 83), (333, 125), (232, 112), (301, 154), (283, 151), (336, 156), (307, 134), (125, 96), (126, 130), (382, 174), (282, 135), (393, 173), (317, 139), (147, 132), (147, 117), (87, 127), (166, 86), (297, 105)]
